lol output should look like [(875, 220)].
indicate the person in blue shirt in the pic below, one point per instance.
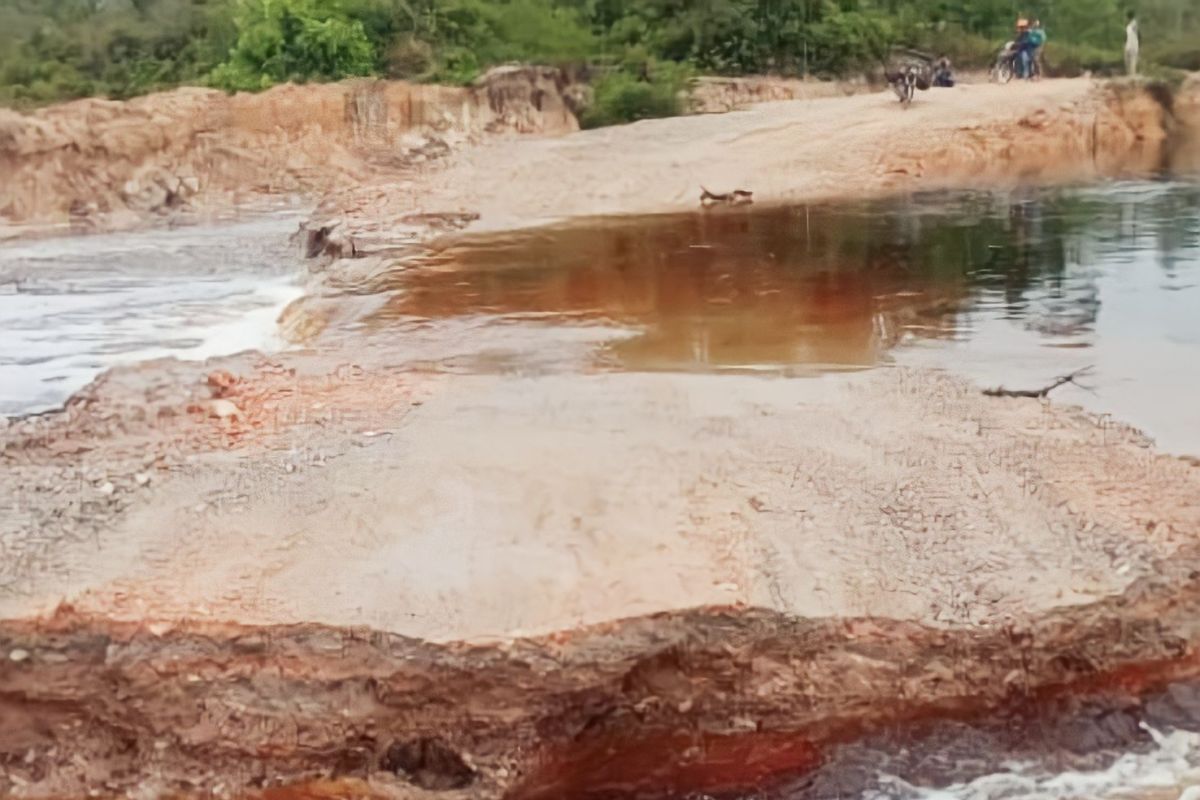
[(943, 73), (1024, 45), (1037, 39)]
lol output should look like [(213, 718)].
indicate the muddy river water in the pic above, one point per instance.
[(1013, 289)]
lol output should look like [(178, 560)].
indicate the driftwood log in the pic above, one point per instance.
[(1061, 380)]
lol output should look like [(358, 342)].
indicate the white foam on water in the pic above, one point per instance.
[(75, 307), (1170, 770)]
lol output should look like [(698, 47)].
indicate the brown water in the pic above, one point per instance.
[(1009, 289)]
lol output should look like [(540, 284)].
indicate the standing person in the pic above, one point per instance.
[(1132, 44), (1024, 49), (1037, 39)]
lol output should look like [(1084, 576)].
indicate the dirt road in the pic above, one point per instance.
[(824, 148), (502, 507)]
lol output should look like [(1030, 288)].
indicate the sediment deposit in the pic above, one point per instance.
[(318, 571)]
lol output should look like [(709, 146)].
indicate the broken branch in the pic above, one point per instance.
[(1062, 380)]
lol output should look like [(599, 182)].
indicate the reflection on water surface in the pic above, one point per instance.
[(1006, 288)]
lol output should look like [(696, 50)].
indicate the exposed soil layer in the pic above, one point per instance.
[(984, 135), (100, 164), (712, 699)]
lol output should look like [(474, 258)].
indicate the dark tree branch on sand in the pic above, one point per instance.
[(736, 197), (1062, 380)]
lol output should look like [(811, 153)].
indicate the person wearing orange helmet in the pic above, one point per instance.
[(1025, 47)]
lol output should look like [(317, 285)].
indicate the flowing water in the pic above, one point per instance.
[(73, 307)]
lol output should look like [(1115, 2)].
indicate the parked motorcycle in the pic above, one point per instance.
[(1008, 64), (909, 73)]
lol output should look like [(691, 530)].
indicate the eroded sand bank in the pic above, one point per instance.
[(977, 135), (320, 565)]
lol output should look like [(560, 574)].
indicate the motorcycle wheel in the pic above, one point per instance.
[(1004, 72)]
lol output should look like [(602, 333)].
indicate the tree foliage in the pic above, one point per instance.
[(296, 40), (58, 49)]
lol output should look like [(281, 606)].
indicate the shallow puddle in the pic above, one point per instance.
[(1012, 289)]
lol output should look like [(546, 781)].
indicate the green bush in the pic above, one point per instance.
[(293, 40), (471, 35), (1181, 54), (626, 96), (58, 49), (850, 41), (965, 50), (1064, 60)]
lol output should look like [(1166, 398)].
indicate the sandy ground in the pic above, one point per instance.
[(503, 506), (783, 152), (499, 507)]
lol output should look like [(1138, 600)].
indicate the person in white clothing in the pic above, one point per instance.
[(1132, 45)]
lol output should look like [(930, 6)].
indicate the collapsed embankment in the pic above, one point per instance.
[(786, 152), (958, 557), (713, 700), (103, 164)]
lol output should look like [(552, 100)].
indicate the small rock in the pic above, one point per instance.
[(106, 488), (224, 409), (141, 479), (221, 382), (18, 655), (159, 628)]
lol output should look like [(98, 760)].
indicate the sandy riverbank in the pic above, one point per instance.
[(320, 565), (983, 135)]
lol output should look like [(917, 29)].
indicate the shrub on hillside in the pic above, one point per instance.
[(300, 40), (626, 95), (1065, 60)]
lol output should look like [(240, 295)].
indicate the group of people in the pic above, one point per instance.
[(1024, 54), (1031, 40)]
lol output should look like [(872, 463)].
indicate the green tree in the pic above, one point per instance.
[(301, 40)]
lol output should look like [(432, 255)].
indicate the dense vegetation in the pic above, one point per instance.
[(642, 50)]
